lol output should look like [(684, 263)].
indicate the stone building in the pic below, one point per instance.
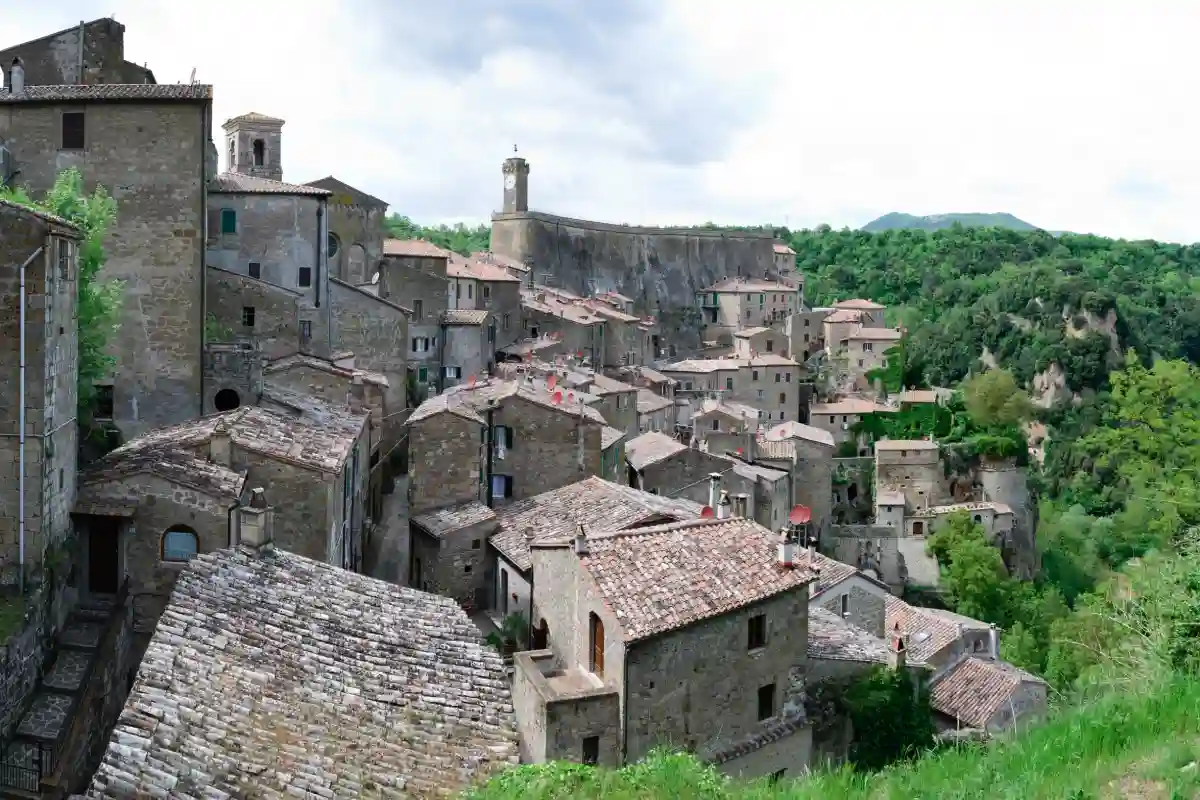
[(166, 496), (467, 346), (769, 383), (869, 313), (432, 717), (621, 609), (750, 342), (356, 232), (479, 283), (497, 441), (839, 418), (715, 415), (806, 454), (89, 53), (414, 274), (596, 329), (805, 332), (150, 147), (736, 303), (912, 467)]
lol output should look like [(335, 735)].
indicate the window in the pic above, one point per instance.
[(756, 632), (466, 569), (533, 331), (688, 386), (504, 322), (716, 424), (806, 325), (64, 259), (487, 292), (502, 439), (753, 374), (782, 398), (420, 344), (832, 419), (766, 702), (260, 152), (729, 383), (423, 375), (452, 372), (622, 401), (60, 479), (226, 400), (868, 347), (333, 244), (418, 308), (762, 298), (787, 378), (770, 345), (248, 316), (470, 290), (305, 329), (228, 220), (747, 313), (179, 543), (596, 631), (845, 604), (73, 131), (232, 153), (502, 486), (104, 401), (304, 276), (777, 377), (457, 289), (254, 269), (761, 394), (591, 749), (476, 544)]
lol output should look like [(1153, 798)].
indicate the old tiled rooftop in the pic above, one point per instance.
[(905, 444), (479, 270), (775, 451), (664, 577), (176, 466), (926, 631), (784, 250), (832, 638), (610, 436), (530, 345), (848, 405), (844, 315), (446, 403), (237, 183), (276, 676), (413, 248), (749, 285), (859, 304), (453, 518), (323, 365), (863, 333), (889, 497), (72, 93), (650, 448), (746, 333), (533, 390), (489, 257), (707, 365), (603, 385), (465, 316), (595, 503), (71, 228), (253, 116), (731, 408), (830, 572), (798, 430), (974, 689), (648, 402)]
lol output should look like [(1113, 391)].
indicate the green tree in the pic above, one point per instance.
[(994, 399), (891, 717), (98, 301)]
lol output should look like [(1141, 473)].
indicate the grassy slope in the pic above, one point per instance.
[(1122, 746)]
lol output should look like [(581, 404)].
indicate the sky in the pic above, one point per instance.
[(1076, 115)]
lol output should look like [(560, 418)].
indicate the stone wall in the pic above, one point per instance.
[(58, 58), (660, 268), (456, 563), (151, 158), (686, 475), (466, 347), (276, 329), (551, 447), (358, 231), (869, 547), (862, 608), (504, 303), (444, 461), (376, 331), (237, 367), (553, 724)]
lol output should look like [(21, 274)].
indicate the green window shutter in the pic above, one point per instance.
[(228, 220)]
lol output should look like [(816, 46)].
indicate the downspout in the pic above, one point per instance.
[(625, 708), (81, 81), (490, 435), (317, 256), (441, 355), (229, 520), (205, 140), (21, 429)]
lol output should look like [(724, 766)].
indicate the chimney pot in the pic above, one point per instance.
[(897, 650), (255, 527), (16, 77), (581, 542)]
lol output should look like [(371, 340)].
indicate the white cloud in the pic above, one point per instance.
[(1070, 115)]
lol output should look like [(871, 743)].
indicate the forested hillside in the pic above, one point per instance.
[(458, 238), (936, 222), (1028, 298)]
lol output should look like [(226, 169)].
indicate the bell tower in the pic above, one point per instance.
[(516, 184), (253, 145)]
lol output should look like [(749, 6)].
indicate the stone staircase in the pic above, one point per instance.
[(31, 753)]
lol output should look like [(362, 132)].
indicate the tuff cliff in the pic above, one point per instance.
[(661, 269)]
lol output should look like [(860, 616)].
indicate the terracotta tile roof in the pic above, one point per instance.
[(927, 631), (145, 92), (534, 391), (489, 257), (757, 471), (776, 451), (609, 311), (849, 405), (664, 577), (654, 376), (603, 385), (453, 518), (749, 286), (886, 497), (844, 315), (648, 402), (974, 689), (620, 298), (323, 365), (783, 249), (980, 505), (413, 248), (177, 467), (829, 572), (798, 430), (833, 639), (445, 403), (526, 346), (610, 436), (237, 183), (875, 335), (252, 117), (709, 365), (730, 408), (465, 316), (574, 311), (345, 194), (460, 267), (257, 654), (595, 503), (905, 444), (746, 333), (859, 305), (650, 448)]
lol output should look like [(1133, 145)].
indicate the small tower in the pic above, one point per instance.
[(516, 184), (253, 146)]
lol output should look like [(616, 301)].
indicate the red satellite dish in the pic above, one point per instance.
[(570, 395), (800, 515), (558, 397), (471, 381), (739, 451), (579, 354), (551, 382), (707, 513)]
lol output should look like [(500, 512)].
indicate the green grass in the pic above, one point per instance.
[(1121, 746)]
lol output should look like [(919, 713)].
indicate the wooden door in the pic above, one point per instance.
[(597, 645), (104, 539)]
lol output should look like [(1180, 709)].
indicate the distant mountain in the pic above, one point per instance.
[(936, 222)]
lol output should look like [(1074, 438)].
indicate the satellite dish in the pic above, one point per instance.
[(800, 515), (579, 354), (570, 396), (551, 382), (739, 451), (557, 397), (707, 513), (471, 381)]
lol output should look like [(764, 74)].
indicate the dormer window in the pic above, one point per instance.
[(260, 152)]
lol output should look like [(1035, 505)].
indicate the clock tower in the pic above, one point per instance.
[(516, 185)]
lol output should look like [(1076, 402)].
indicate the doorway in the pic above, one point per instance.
[(104, 567)]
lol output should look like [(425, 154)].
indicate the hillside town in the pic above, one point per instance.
[(371, 518)]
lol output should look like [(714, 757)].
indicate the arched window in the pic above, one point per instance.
[(226, 400), (260, 152), (334, 246), (179, 543), (978, 518), (232, 153)]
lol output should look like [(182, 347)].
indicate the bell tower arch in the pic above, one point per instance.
[(516, 184)]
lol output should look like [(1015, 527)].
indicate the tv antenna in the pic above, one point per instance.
[(514, 148), (192, 77)]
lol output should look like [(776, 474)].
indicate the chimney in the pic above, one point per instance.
[(787, 551), (897, 651), (741, 505), (581, 542), (220, 445), (994, 641), (16, 77), (356, 397), (256, 522), (714, 490)]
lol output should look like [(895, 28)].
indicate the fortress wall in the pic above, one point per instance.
[(660, 268)]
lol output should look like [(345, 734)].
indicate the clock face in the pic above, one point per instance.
[(510, 181)]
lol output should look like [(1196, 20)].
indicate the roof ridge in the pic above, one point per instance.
[(666, 527)]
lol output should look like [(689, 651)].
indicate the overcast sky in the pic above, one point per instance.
[(1081, 115)]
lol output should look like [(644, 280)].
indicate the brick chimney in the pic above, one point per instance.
[(256, 522), (220, 445), (787, 550), (581, 542), (897, 650)]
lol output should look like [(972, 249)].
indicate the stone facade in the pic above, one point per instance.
[(254, 146), (356, 231), (914, 468), (768, 383), (445, 451), (375, 330), (467, 346), (450, 556), (48, 249), (88, 53), (151, 152), (275, 331), (740, 303)]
